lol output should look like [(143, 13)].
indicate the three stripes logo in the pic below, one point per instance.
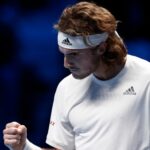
[(130, 91), (66, 41)]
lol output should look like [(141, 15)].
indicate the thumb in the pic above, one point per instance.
[(22, 130)]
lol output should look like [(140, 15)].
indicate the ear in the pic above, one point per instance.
[(101, 48)]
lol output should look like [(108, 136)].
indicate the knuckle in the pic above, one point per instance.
[(4, 131), (11, 142), (6, 142), (12, 124)]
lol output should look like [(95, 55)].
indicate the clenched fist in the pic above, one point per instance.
[(15, 136)]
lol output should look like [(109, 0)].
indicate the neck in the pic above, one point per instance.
[(106, 72)]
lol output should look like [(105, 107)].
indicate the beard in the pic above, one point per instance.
[(81, 75)]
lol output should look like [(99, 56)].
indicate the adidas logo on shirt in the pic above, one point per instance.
[(66, 41), (130, 91)]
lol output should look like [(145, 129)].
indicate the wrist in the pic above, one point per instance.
[(30, 146)]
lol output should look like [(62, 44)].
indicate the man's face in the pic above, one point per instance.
[(81, 63)]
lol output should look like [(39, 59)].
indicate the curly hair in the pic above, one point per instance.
[(86, 18)]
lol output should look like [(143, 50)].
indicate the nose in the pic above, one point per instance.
[(67, 62)]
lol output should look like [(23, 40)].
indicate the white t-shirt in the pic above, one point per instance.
[(91, 114)]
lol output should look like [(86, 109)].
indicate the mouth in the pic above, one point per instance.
[(73, 69)]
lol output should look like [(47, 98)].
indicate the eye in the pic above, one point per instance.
[(73, 54)]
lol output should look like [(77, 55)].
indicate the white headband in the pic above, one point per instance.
[(80, 42)]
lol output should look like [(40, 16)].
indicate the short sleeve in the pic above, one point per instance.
[(60, 134)]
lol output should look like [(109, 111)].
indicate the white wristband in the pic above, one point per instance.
[(30, 146)]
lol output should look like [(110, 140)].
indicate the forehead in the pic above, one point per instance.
[(68, 51)]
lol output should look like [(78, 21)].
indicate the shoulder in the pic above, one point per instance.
[(138, 63), (138, 67), (137, 59)]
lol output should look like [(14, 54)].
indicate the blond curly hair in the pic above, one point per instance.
[(86, 18)]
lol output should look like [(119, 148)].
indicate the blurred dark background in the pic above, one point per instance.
[(31, 66)]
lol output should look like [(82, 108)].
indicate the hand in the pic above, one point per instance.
[(15, 136)]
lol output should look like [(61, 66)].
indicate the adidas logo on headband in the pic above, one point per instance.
[(80, 42), (66, 41)]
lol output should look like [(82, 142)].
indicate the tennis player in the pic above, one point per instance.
[(104, 104)]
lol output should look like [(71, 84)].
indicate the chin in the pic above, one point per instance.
[(79, 76)]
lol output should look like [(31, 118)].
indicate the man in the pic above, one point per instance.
[(105, 102)]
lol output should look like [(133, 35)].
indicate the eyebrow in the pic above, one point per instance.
[(68, 52), (64, 51)]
